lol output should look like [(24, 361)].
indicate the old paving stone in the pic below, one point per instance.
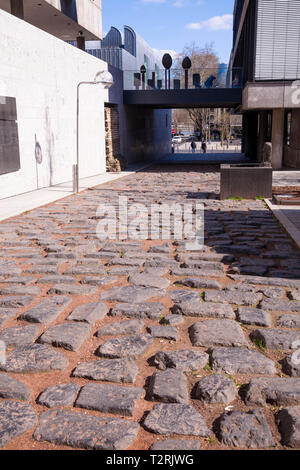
[(15, 301), (250, 430), (289, 321), (272, 292), (6, 314), (128, 346), (231, 297), (149, 280), (86, 432), (152, 310), (167, 332), (217, 333), (253, 316), (59, 395), (122, 370), (19, 335), (295, 294), (216, 388), (12, 388), (89, 313), (124, 328), (109, 398), (176, 444), (20, 290), (291, 364), (279, 305), (72, 289), (69, 336), (276, 391), (169, 386), (276, 339), (186, 360), (288, 420), (241, 361), (15, 419), (47, 310), (173, 320), (34, 358), (176, 418), (203, 309), (132, 294), (198, 283), (186, 296)]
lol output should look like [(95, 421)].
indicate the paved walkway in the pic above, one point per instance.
[(201, 158), (139, 344), (16, 205)]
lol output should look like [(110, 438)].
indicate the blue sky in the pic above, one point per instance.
[(173, 24)]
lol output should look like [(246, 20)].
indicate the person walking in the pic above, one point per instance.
[(194, 146), (204, 146)]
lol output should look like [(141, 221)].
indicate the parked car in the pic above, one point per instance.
[(177, 139)]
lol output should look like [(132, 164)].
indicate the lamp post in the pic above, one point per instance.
[(104, 78)]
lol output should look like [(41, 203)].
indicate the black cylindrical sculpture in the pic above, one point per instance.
[(167, 62)]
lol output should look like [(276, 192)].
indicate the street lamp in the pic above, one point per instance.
[(105, 79)]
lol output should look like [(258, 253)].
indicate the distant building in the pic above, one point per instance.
[(266, 44)]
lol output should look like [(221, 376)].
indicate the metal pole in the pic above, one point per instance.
[(76, 171)]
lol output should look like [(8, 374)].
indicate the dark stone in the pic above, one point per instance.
[(69, 336), (251, 430), (173, 320), (109, 398), (152, 310), (203, 309), (128, 346), (276, 339), (59, 395), (19, 335), (241, 361), (13, 389), (167, 332), (253, 316), (15, 301), (279, 305), (216, 388), (15, 419), (108, 370), (86, 432), (291, 364), (34, 358), (72, 289), (236, 298), (217, 333), (149, 280), (288, 421), (89, 313), (185, 360), (199, 283), (169, 386), (6, 314), (124, 328), (47, 310), (132, 294), (176, 418), (276, 391)]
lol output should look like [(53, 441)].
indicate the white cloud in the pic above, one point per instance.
[(216, 23)]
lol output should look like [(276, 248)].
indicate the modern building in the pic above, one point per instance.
[(39, 75), (266, 45), (135, 133)]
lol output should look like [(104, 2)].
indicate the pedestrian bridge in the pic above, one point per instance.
[(170, 89)]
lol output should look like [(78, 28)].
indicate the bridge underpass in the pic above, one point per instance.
[(142, 100)]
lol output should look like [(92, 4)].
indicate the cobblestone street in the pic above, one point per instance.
[(142, 344)]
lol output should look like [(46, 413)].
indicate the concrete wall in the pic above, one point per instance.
[(42, 73)]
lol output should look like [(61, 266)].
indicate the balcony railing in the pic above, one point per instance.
[(180, 79)]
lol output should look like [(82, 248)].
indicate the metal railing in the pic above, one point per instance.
[(179, 79)]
